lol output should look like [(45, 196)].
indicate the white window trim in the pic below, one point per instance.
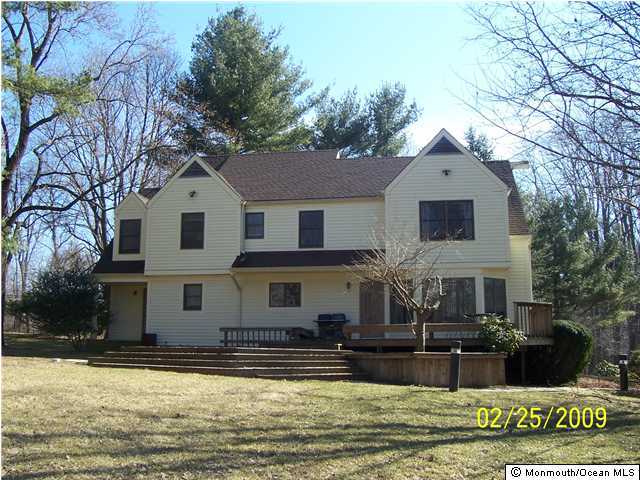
[(181, 297), (204, 231), (269, 307)]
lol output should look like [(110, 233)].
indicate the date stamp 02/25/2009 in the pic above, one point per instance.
[(538, 418)]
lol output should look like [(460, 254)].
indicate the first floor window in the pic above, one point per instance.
[(398, 312), (192, 298), (254, 225), (192, 231), (446, 220), (130, 236), (459, 300), (495, 296), (284, 294)]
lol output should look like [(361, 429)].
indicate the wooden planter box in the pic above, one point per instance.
[(432, 368)]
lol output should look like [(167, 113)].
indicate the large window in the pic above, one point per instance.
[(495, 296), (192, 231), (450, 219), (192, 296), (311, 229), (130, 236), (398, 313), (284, 294), (254, 225), (459, 300)]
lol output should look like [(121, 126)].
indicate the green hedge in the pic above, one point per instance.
[(566, 359)]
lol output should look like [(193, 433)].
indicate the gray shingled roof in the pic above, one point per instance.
[(317, 175), (312, 175)]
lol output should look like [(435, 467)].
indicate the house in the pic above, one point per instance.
[(264, 240)]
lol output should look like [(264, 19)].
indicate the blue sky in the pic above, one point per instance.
[(423, 45)]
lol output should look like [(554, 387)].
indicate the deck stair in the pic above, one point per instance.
[(271, 363)]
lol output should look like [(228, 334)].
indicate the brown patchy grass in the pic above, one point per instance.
[(70, 421)]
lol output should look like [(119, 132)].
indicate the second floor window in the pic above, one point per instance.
[(311, 229), (130, 236), (192, 231), (254, 225), (446, 220)]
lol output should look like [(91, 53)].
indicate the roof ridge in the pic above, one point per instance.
[(270, 153)]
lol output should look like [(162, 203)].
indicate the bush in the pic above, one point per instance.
[(606, 369), (66, 303), (500, 335), (566, 359)]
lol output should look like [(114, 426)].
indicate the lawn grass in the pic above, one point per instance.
[(29, 345), (71, 421)]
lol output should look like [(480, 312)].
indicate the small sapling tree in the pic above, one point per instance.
[(408, 267)]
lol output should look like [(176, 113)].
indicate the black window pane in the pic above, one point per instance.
[(495, 296), (192, 231), (130, 236), (446, 219), (311, 229), (254, 225), (284, 294), (459, 300), (192, 297)]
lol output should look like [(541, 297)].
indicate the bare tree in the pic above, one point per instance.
[(564, 79), (118, 137), (409, 268), (43, 81)]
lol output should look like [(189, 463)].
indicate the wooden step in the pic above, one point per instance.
[(225, 356), (318, 376), (230, 350), (243, 372), (213, 362)]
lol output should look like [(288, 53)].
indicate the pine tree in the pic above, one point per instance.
[(242, 92)]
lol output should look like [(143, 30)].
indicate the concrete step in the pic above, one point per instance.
[(229, 363), (266, 372)]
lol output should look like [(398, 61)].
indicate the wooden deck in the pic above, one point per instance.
[(533, 318)]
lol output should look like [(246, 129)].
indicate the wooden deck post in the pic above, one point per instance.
[(523, 364)]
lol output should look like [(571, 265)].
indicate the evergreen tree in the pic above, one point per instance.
[(478, 144), (373, 128), (242, 92), (584, 279)]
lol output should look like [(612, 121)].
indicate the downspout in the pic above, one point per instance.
[(243, 205)]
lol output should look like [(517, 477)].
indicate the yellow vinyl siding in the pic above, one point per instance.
[(130, 208), (221, 227), (174, 326), (425, 181), (348, 224), (322, 292)]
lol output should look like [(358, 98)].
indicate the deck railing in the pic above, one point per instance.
[(448, 330), (255, 336), (535, 319)]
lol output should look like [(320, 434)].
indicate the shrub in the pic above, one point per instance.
[(566, 359), (500, 335), (66, 303), (606, 369)]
